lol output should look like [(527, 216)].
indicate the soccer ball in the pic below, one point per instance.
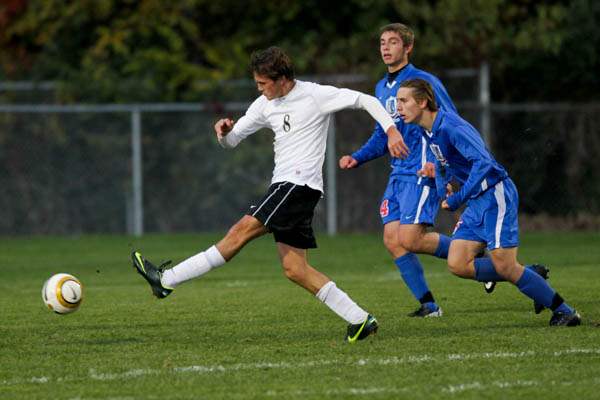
[(62, 293)]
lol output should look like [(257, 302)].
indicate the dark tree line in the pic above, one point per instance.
[(153, 50)]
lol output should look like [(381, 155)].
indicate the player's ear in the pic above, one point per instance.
[(409, 48)]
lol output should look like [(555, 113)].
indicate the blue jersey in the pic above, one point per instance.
[(376, 146), (461, 154)]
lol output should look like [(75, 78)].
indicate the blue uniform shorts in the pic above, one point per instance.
[(409, 203), (492, 217)]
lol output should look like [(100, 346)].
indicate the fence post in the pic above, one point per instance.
[(331, 195), (484, 102), (136, 173)]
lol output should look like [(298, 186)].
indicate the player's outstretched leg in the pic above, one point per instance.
[(151, 274)]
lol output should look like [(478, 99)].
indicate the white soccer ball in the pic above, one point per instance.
[(62, 293)]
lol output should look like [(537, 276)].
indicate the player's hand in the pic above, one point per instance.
[(428, 170), (445, 205), (223, 127), (396, 144), (347, 162), (449, 190)]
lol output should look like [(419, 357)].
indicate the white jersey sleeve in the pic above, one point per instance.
[(331, 99), (374, 107), (251, 122)]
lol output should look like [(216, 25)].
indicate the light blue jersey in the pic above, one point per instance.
[(408, 198), (492, 199), (376, 146)]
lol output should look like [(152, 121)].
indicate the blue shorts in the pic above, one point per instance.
[(492, 218), (409, 203)]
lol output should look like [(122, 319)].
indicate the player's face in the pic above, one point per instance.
[(408, 108), (392, 49), (268, 87)]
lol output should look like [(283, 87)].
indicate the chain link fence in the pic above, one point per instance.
[(69, 169)]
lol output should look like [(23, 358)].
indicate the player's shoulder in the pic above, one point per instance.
[(258, 105), (312, 87), (454, 124), (428, 76)]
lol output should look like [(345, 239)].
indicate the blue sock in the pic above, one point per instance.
[(412, 272), (443, 247), (535, 287), (485, 271), (558, 304)]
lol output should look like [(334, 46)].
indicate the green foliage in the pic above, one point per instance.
[(245, 332), (151, 50)]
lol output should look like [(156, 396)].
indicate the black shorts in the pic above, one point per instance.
[(287, 211)]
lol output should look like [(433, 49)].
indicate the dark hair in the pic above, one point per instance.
[(421, 90), (272, 63), (406, 34)]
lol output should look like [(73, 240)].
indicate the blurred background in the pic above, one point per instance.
[(107, 107)]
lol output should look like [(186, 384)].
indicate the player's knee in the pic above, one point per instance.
[(294, 272), (241, 232), (236, 234), (411, 243), (391, 242), (458, 266)]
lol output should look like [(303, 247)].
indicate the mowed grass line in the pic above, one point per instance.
[(245, 332)]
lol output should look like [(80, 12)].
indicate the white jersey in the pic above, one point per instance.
[(300, 121)]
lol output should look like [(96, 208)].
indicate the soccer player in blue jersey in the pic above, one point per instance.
[(409, 204), (491, 216)]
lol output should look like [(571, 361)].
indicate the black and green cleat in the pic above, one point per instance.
[(151, 274), (362, 330)]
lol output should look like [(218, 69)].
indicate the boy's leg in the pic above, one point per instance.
[(163, 282), (533, 286), (297, 269), (410, 268)]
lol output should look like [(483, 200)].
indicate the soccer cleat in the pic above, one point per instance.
[(151, 274), (489, 287), (426, 312), (542, 271), (361, 331), (564, 319)]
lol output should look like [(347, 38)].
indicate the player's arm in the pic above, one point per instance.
[(473, 150), (395, 141), (434, 169), (230, 133), (374, 148), (331, 99)]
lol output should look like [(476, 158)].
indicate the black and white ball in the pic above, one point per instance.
[(62, 293)]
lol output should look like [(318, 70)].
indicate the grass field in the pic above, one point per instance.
[(245, 332)]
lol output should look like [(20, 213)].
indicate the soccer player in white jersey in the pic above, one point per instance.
[(299, 113)]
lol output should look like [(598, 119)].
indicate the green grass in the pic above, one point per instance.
[(245, 332)]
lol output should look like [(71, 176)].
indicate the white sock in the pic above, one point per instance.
[(341, 304), (193, 267)]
